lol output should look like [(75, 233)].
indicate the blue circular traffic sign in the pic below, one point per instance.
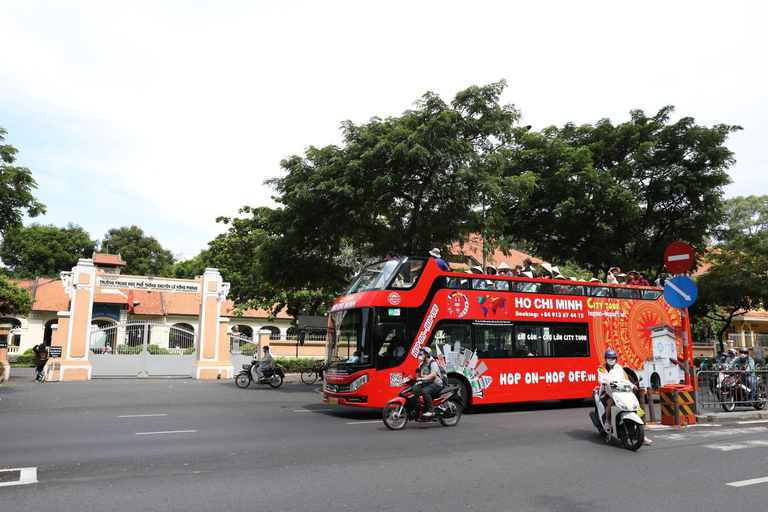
[(680, 292)]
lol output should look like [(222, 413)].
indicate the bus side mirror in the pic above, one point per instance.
[(302, 336), (378, 331)]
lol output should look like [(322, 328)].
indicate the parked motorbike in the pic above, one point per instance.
[(401, 408), (272, 376), (733, 391), (626, 425)]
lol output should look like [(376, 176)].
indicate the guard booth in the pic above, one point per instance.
[(663, 368)]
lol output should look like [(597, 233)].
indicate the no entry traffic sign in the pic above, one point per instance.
[(678, 257), (680, 292)]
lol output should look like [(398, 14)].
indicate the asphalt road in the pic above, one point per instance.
[(96, 446)]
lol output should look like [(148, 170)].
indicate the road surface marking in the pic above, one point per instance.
[(749, 482), (362, 422), (167, 432), (678, 257), (738, 446), (140, 415), (751, 421), (27, 476), (311, 410)]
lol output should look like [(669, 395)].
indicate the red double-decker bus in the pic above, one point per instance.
[(502, 339)]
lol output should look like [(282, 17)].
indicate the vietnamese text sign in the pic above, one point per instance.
[(154, 284), (54, 351)]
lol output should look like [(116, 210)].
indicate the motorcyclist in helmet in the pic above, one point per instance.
[(607, 373), (746, 364), (729, 360), (429, 383)]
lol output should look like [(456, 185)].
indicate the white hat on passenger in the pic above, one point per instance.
[(527, 274), (478, 268), (503, 265), (435, 253), (595, 280)]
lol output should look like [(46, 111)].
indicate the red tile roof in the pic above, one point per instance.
[(474, 250), (113, 260)]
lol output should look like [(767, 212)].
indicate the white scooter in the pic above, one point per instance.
[(626, 425)]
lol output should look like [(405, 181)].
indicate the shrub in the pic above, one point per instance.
[(295, 365), (157, 350), (127, 349), (26, 358), (189, 351)]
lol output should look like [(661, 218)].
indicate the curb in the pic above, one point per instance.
[(731, 417)]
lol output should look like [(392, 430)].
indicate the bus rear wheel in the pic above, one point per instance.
[(464, 397)]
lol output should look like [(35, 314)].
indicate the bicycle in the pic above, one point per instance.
[(310, 375)]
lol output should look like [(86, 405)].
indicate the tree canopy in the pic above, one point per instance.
[(425, 179), (44, 251), (737, 280), (13, 300), (618, 195), (138, 250), (16, 186)]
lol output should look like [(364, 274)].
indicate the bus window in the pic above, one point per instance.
[(392, 349), (599, 291), (408, 273), (493, 340), (570, 340), (453, 333), (527, 287), (458, 282), (651, 294), (529, 340)]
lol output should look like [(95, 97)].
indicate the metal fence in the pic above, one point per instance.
[(750, 339), (731, 389)]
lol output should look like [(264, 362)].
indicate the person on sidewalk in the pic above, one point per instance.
[(40, 360)]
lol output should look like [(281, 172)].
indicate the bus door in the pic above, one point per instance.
[(391, 348)]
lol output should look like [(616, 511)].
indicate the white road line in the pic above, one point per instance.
[(28, 476), (167, 432), (703, 434), (749, 482), (362, 422), (311, 410), (751, 421), (141, 415), (738, 446)]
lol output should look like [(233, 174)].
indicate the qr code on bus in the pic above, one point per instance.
[(395, 380)]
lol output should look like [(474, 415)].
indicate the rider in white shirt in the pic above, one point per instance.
[(607, 373)]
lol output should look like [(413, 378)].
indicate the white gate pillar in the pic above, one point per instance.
[(212, 354)]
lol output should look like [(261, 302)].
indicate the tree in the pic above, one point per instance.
[(44, 251), (13, 300), (737, 280), (610, 195), (16, 185), (425, 179), (191, 268), (138, 251)]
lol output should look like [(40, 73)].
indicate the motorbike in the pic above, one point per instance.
[(733, 391), (272, 376), (626, 425), (401, 409)]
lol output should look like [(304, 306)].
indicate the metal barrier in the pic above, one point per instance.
[(730, 389)]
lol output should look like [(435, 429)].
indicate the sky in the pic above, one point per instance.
[(169, 114)]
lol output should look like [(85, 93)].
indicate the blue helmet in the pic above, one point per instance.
[(427, 351), (611, 353)]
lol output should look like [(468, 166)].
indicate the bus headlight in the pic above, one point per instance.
[(358, 383)]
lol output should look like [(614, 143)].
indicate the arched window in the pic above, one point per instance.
[(10, 331), (48, 333), (243, 330), (181, 338), (103, 336), (275, 332)]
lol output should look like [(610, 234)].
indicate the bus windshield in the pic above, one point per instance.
[(377, 276), (351, 340)]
